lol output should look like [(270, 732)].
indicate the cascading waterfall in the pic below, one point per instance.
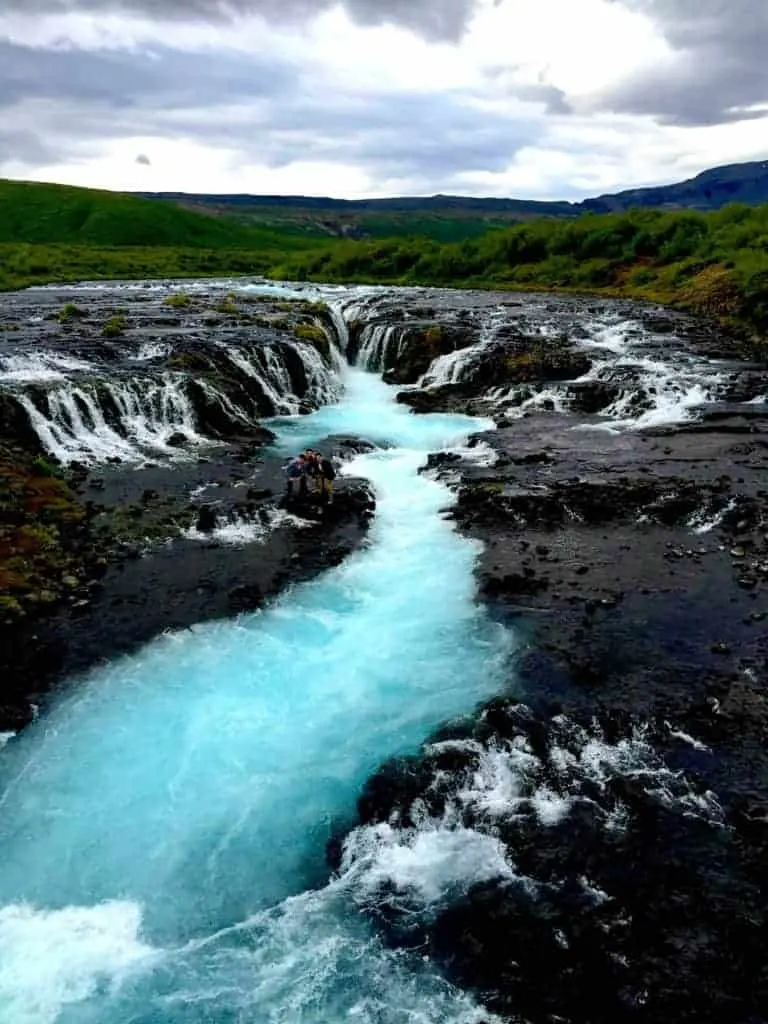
[(73, 421), (163, 826), (449, 368), (380, 345), (272, 374), (654, 391), (189, 885), (90, 418)]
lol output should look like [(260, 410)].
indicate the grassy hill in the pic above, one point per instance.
[(57, 233), (57, 214)]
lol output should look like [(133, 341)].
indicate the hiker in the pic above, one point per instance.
[(296, 475), (312, 462), (326, 474)]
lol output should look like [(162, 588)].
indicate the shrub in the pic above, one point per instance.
[(115, 326), (70, 313), (180, 300)]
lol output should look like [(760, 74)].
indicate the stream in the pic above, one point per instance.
[(163, 827)]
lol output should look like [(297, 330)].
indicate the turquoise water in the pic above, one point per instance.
[(163, 828)]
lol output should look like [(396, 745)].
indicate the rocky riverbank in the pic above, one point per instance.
[(616, 797)]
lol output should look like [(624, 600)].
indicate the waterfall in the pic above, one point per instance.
[(380, 345), (100, 420), (450, 368), (91, 417), (341, 327), (264, 366)]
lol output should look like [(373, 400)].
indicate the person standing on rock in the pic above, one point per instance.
[(326, 474), (296, 477)]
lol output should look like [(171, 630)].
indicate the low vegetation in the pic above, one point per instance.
[(40, 520), (70, 313), (115, 326), (179, 300)]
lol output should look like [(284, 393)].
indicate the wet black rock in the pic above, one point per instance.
[(617, 890), (207, 518)]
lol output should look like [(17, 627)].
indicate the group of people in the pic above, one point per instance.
[(310, 465)]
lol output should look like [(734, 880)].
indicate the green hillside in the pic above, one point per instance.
[(57, 214)]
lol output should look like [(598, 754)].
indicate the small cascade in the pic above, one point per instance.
[(39, 366), (450, 368), (99, 420), (263, 366), (239, 531), (341, 329), (323, 385), (143, 411), (458, 366), (381, 345)]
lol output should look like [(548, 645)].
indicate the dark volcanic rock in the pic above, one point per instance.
[(620, 890), (417, 347)]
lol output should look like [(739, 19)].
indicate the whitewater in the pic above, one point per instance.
[(163, 826)]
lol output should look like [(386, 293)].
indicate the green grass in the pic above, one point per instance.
[(25, 265), (60, 215), (179, 300), (115, 326), (69, 313)]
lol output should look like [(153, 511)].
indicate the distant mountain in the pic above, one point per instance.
[(404, 204), (734, 183), (741, 183)]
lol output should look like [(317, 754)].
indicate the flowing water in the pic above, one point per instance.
[(163, 828)]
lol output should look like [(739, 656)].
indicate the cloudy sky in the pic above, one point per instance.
[(528, 98)]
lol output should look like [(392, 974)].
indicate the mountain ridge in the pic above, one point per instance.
[(709, 190)]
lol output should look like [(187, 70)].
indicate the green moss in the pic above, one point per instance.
[(115, 326), (190, 362), (43, 467), (310, 332), (69, 313), (315, 336), (10, 608), (226, 306), (180, 300), (314, 308)]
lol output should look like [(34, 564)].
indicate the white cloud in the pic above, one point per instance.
[(503, 97)]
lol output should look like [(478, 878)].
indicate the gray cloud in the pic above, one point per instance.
[(264, 113), (434, 19), (720, 67), (19, 145), (143, 160)]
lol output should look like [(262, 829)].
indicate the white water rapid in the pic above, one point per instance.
[(163, 827)]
